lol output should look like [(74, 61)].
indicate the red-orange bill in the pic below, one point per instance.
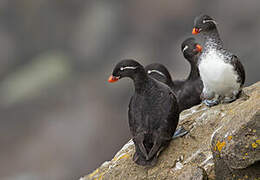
[(198, 48), (112, 79), (195, 31)]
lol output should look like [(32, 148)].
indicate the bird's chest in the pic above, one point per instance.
[(215, 72)]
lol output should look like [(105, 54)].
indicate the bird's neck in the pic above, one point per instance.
[(194, 71), (212, 39), (170, 83), (140, 82)]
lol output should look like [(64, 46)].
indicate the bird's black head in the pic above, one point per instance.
[(125, 68), (190, 48), (159, 72), (203, 23)]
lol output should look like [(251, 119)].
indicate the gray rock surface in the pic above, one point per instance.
[(193, 173), (236, 143), (223, 143)]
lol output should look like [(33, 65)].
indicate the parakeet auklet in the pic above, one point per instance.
[(153, 112), (161, 73), (222, 73), (187, 91)]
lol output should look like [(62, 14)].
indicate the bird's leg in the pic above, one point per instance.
[(206, 94), (232, 97), (229, 99), (212, 102)]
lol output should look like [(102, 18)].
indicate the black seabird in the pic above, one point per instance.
[(161, 73), (222, 73), (187, 91), (153, 112)]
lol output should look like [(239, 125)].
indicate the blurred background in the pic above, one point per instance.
[(60, 119)]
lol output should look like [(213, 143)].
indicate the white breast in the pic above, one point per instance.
[(217, 75)]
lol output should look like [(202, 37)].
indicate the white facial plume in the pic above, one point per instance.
[(155, 71), (185, 48), (209, 20), (127, 67)]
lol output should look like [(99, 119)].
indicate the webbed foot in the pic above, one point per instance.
[(211, 103), (179, 132), (229, 99)]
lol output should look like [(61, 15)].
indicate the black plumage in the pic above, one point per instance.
[(239, 69), (225, 84), (153, 112), (160, 73), (187, 91)]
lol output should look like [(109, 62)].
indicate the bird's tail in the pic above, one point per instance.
[(147, 152)]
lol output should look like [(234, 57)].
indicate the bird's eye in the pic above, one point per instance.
[(121, 69)]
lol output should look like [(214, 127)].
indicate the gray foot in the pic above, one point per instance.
[(229, 99), (180, 132), (211, 103)]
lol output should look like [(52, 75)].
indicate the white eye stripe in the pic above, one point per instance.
[(209, 20), (185, 48), (155, 71), (127, 67)]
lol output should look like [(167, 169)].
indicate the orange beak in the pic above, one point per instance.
[(198, 48), (112, 79), (195, 31)]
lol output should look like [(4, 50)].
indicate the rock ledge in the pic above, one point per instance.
[(223, 143)]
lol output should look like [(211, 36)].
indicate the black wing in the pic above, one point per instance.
[(239, 69), (152, 124), (136, 126), (190, 94), (168, 120)]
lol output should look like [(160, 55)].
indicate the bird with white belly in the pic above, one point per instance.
[(221, 72)]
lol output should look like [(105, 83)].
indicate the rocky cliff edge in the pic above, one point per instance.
[(223, 143)]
